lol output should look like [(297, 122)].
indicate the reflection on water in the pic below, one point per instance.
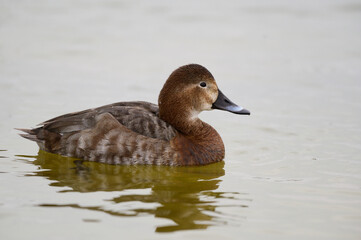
[(1, 151), (185, 195)]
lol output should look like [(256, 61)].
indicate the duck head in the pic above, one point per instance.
[(189, 90)]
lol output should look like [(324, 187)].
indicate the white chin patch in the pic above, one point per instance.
[(207, 107), (194, 115)]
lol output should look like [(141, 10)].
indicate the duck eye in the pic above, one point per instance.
[(203, 84)]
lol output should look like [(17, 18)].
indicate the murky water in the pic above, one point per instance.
[(292, 168)]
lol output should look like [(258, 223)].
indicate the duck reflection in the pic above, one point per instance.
[(185, 195)]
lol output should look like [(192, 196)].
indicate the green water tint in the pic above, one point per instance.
[(185, 195)]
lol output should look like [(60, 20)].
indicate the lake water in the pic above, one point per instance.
[(292, 169)]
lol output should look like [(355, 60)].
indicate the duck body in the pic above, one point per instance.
[(141, 132)]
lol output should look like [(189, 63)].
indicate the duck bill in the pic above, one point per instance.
[(223, 103)]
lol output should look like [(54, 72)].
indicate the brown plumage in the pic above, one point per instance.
[(142, 133)]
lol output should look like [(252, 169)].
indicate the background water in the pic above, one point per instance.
[(292, 168)]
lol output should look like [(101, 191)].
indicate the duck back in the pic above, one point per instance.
[(119, 133)]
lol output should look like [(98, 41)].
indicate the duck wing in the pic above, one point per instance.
[(139, 117)]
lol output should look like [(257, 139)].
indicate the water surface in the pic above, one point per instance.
[(292, 168), (187, 196)]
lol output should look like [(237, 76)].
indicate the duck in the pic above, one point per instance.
[(143, 133)]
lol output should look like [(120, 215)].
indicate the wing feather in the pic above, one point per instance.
[(140, 117)]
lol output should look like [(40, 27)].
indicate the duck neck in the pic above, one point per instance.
[(186, 122), (197, 142)]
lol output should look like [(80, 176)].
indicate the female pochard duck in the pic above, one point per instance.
[(141, 132)]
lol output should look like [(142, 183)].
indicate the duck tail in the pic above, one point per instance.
[(30, 134)]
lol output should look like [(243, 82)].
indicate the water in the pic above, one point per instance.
[(292, 168)]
